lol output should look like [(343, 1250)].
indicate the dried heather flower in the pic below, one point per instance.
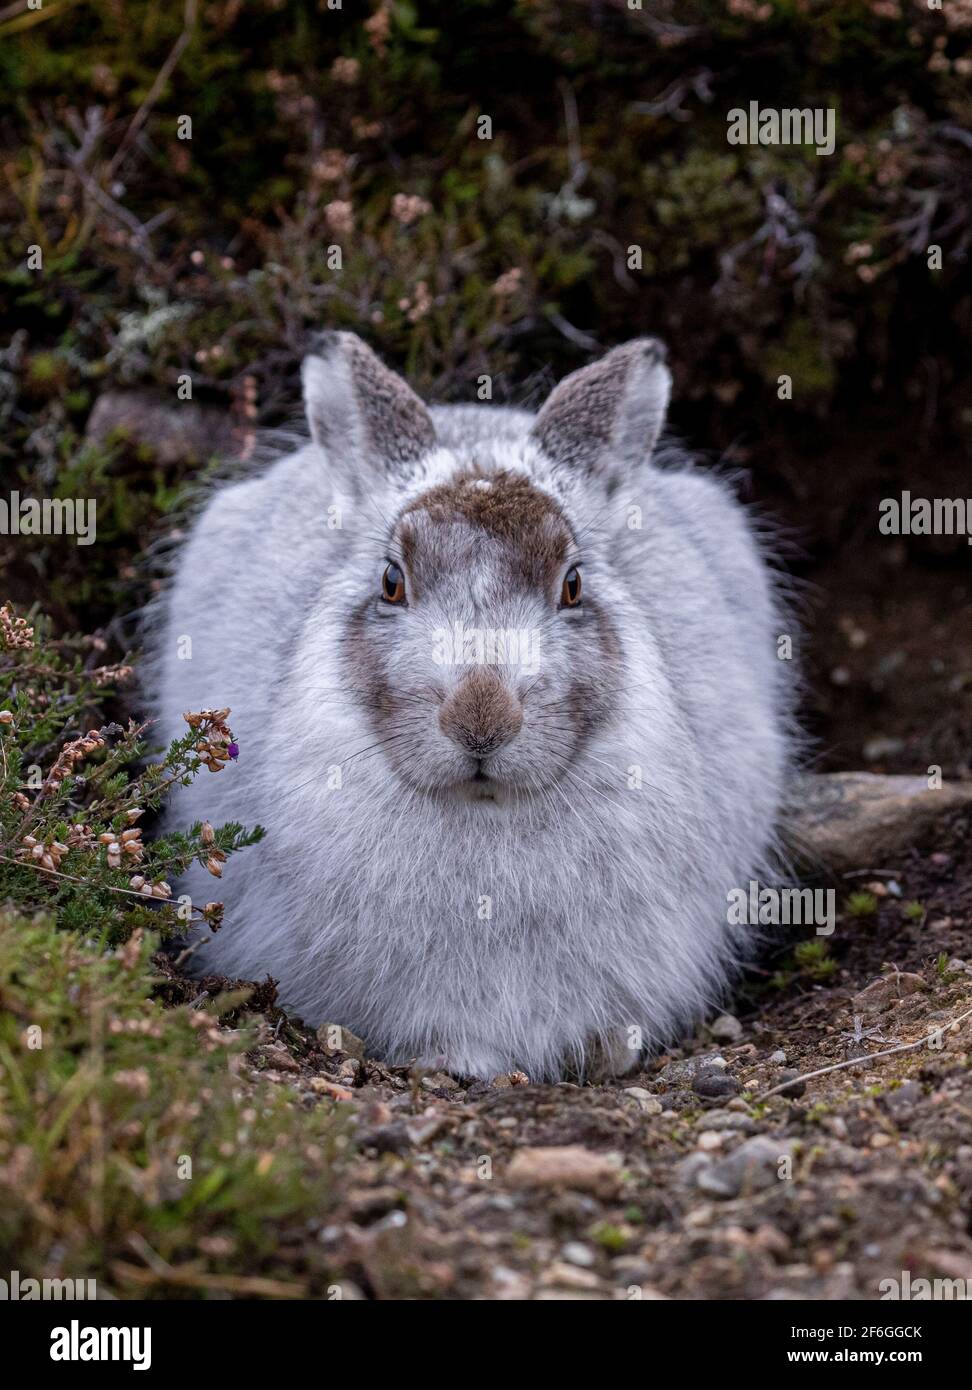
[(215, 861), (80, 836), (47, 854), (14, 632), (71, 754), (217, 746), (213, 912)]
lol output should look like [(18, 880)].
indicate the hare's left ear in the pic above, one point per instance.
[(607, 417)]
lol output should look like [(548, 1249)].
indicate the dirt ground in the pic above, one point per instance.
[(680, 1181)]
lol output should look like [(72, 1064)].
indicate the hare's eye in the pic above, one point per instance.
[(393, 585), (571, 592)]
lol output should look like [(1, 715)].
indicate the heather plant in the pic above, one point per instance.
[(75, 791), (135, 1147)]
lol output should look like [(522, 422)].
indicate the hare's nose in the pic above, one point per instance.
[(481, 715)]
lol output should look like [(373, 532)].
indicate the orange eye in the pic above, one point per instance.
[(571, 592), (393, 585)]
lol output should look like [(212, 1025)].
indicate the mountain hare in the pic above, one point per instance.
[(509, 707)]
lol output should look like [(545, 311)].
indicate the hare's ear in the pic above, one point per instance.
[(607, 417), (364, 417)]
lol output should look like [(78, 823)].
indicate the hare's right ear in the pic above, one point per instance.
[(366, 419), (606, 418)]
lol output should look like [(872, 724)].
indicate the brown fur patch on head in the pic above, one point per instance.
[(506, 506)]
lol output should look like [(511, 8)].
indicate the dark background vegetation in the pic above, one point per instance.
[(209, 256)]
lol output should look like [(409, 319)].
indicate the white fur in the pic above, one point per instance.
[(608, 903)]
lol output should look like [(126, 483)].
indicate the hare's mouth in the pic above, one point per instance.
[(479, 786)]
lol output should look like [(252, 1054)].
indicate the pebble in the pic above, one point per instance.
[(877, 748), (426, 1126), (796, 1088), (726, 1028), (649, 1104), (778, 1058), (509, 1284), (902, 1098), (278, 1056), (885, 990), (322, 1086), (576, 1253), (684, 1069), (566, 1165), (333, 1037), (710, 1139), (439, 1081), (736, 1121), (713, 1084), (754, 1165)]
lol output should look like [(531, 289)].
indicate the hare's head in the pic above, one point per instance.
[(483, 632)]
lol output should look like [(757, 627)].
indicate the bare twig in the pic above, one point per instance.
[(669, 103), (871, 1057), (155, 91)]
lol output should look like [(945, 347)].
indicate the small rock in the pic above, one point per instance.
[(333, 1037), (426, 1126), (751, 1167), (778, 1058), (729, 1120), (509, 1284), (323, 1087), (649, 1104), (949, 1264), (278, 1056), (710, 1139), (688, 1169), (682, 1071), (577, 1253), (564, 1276), (726, 1028), (884, 991), (567, 1165), (713, 1084), (439, 1081), (903, 1098), (374, 1201), (875, 749), (796, 1088), (386, 1139)]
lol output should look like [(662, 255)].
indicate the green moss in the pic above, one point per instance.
[(861, 904)]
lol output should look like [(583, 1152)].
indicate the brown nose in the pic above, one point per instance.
[(481, 715)]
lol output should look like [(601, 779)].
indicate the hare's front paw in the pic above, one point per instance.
[(611, 1054), (461, 1062)]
